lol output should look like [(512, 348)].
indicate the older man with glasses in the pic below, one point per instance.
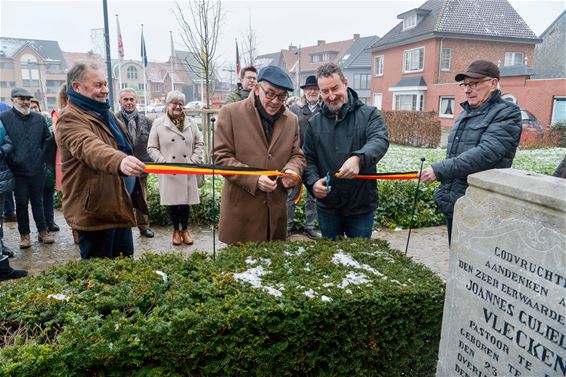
[(258, 132), (485, 136)]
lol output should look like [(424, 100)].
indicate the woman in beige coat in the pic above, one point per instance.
[(176, 138)]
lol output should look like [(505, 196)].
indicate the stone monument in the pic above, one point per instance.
[(505, 305)]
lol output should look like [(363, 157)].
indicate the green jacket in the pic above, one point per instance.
[(237, 95)]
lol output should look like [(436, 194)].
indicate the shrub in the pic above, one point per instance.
[(415, 128), (347, 308), (548, 138)]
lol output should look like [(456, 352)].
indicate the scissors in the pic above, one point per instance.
[(327, 182)]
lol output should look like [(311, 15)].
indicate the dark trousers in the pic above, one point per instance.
[(49, 203), (2, 197), (30, 190), (141, 218), (179, 215), (333, 225), (108, 243), (9, 206), (449, 226)]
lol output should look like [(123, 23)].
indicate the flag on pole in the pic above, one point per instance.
[(143, 50), (237, 60), (120, 42)]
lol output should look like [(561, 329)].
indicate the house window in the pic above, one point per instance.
[(29, 69), (141, 86), (132, 73), (559, 110), (377, 99), (379, 65), (123, 85), (7, 84), (6, 65), (410, 22), (412, 102), (30, 83), (445, 58), (446, 107), (315, 58), (362, 81), (414, 60), (514, 58)]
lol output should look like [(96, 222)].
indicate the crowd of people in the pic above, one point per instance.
[(322, 141)]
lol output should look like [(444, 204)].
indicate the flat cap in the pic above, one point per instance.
[(276, 77), (479, 69), (21, 92)]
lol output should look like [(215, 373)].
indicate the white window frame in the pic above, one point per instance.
[(560, 98), (407, 53), (440, 99), (511, 57), (443, 59), (410, 22), (378, 100), (366, 80), (419, 103), (379, 66), (132, 73)]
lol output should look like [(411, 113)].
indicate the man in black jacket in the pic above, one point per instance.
[(485, 136), (138, 127), (344, 139), (30, 135)]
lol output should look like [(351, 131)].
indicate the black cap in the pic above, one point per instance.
[(21, 92), (275, 76), (479, 69), (310, 82)]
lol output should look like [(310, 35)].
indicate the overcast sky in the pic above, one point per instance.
[(277, 24)]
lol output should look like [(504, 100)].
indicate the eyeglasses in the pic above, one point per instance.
[(473, 84), (251, 78), (271, 96)]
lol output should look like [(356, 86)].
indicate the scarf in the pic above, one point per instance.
[(130, 120), (179, 122), (102, 109), (268, 120)]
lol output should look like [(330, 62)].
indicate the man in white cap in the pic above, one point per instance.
[(258, 132)]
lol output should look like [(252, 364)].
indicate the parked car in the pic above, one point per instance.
[(530, 122), (194, 105), (156, 108), (140, 107)]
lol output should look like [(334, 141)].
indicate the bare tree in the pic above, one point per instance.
[(250, 44), (200, 28)]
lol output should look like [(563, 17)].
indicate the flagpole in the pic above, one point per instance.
[(120, 54), (172, 57), (144, 63)]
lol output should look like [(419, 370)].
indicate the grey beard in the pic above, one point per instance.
[(22, 110)]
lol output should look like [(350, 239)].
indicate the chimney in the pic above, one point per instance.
[(356, 36), (292, 47), (320, 42)]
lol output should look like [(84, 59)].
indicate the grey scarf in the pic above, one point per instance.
[(130, 120)]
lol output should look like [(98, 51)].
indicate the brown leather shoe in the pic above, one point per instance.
[(45, 237), (186, 237), (24, 241), (176, 237)]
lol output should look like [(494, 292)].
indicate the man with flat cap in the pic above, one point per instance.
[(304, 109), (30, 135), (258, 132), (485, 136)]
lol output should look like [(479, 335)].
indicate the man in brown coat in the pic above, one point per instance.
[(258, 132), (98, 167)]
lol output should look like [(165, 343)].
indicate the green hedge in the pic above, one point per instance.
[(165, 316)]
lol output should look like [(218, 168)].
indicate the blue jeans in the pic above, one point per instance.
[(332, 226), (108, 243)]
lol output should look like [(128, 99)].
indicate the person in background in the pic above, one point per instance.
[(308, 105), (259, 132), (7, 183), (9, 213), (49, 187), (176, 138), (99, 172), (561, 169), (138, 127), (248, 77), (30, 135), (485, 136), (348, 137)]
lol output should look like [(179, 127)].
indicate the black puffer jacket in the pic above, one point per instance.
[(357, 130), (481, 139), (7, 182)]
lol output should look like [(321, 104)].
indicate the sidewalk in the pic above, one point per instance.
[(428, 245)]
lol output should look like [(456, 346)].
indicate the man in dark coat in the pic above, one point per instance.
[(138, 127), (485, 136), (346, 138), (30, 136), (248, 81), (308, 105)]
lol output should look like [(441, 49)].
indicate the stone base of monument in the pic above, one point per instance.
[(505, 306)]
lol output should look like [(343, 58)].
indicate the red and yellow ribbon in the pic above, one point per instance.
[(389, 176)]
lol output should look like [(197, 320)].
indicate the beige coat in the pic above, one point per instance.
[(167, 144), (246, 213)]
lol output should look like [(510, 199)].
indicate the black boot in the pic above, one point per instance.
[(7, 272), (6, 250)]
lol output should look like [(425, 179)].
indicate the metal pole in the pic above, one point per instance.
[(213, 120), (108, 56), (298, 92), (414, 205)]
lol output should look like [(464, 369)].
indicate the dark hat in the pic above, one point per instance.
[(21, 92), (275, 76), (478, 69), (310, 82)]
